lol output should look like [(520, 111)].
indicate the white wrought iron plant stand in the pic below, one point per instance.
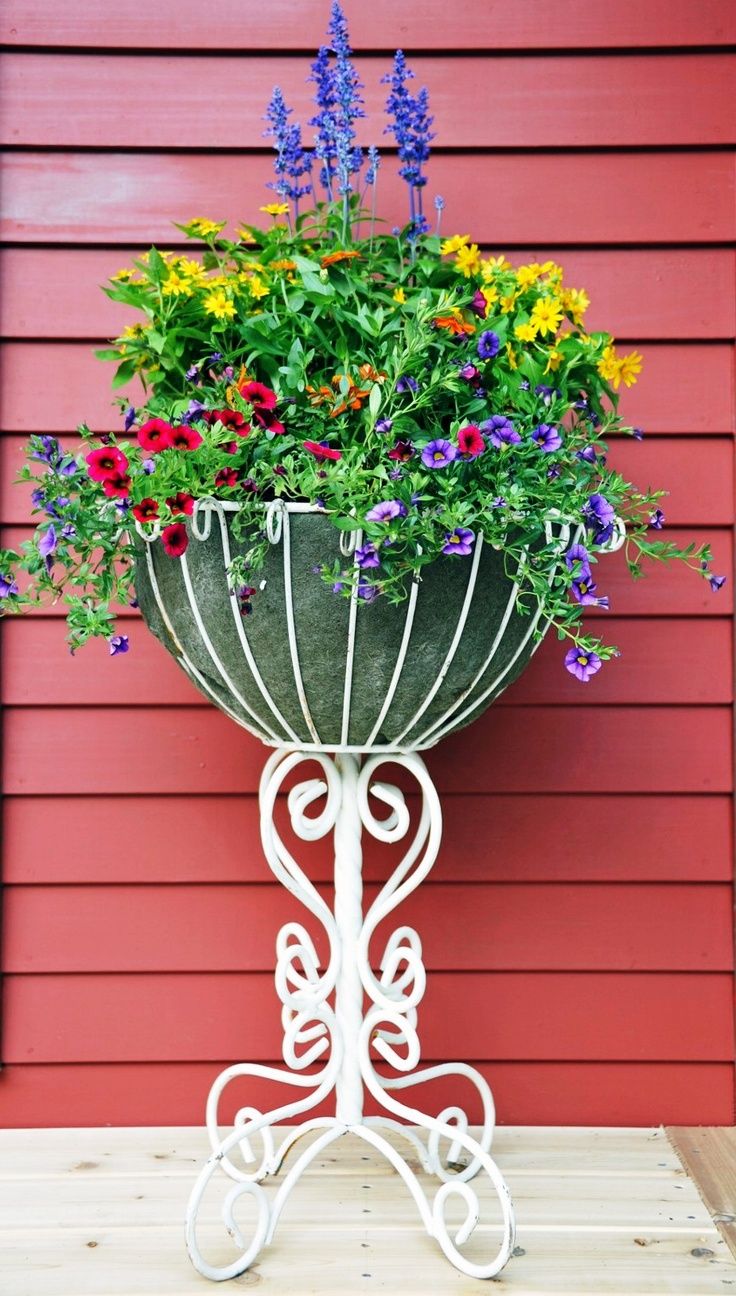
[(325, 1022)]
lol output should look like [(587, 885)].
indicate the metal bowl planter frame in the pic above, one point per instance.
[(326, 1022)]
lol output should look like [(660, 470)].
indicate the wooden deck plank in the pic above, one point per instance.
[(709, 1156), (97, 1212)]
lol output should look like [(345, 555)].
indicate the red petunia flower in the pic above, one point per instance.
[(226, 477), (258, 395), (265, 419), (175, 539), (116, 486), (321, 450), (230, 447), (230, 419), (402, 451), (471, 441), (185, 438), (146, 511), (106, 462), (155, 435), (182, 502)]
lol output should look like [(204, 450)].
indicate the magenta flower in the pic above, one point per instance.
[(386, 511), (583, 665), (459, 542), (471, 441), (438, 454), (479, 305)]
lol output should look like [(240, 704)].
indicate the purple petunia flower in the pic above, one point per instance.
[(68, 531), (130, 417), (489, 345), (192, 373), (406, 383), (657, 520), (386, 511), (638, 434), (439, 453), (469, 372), (193, 411), (716, 583), (384, 425), (460, 542), (582, 664), (47, 543), (148, 466), (366, 591), (547, 437), (338, 587), (367, 556), (500, 431), (600, 516), (585, 589), (577, 553), (8, 588), (46, 449), (38, 498), (118, 644), (216, 355), (587, 455), (499, 502), (547, 393)]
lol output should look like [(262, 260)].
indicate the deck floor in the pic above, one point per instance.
[(98, 1212)]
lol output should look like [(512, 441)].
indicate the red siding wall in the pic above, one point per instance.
[(578, 927)]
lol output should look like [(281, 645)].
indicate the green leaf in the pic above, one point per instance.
[(374, 400), (123, 374)]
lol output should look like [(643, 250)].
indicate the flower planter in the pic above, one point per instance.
[(314, 670)]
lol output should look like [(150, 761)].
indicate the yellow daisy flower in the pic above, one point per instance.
[(629, 368), (275, 209), (454, 244), (511, 354), (608, 364), (399, 296), (122, 276), (525, 332), (258, 288), (494, 265), (528, 274), (575, 301), (177, 285), (468, 260), (217, 303), (508, 303), (202, 228), (490, 293), (133, 331), (555, 360), (546, 315)]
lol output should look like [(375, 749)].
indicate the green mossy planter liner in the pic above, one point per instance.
[(321, 624)]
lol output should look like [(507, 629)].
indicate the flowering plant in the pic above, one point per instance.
[(404, 383)]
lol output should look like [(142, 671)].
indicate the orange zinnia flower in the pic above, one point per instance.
[(333, 257), (453, 325)]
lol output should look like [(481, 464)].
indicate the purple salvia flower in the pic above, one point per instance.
[(459, 542), (439, 206), (324, 144), (489, 344), (348, 103), (292, 163), (374, 162), (500, 431), (410, 127), (547, 437), (386, 511), (118, 644), (439, 453), (582, 664)]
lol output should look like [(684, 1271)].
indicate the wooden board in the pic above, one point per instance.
[(558, 926), (487, 837), (518, 101), (630, 197), (247, 25), (598, 1210), (189, 749), (655, 293), (595, 1092), (709, 1156), (683, 389), (202, 1016)]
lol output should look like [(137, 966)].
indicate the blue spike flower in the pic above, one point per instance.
[(292, 163)]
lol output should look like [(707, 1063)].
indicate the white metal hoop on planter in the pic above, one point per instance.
[(324, 1022)]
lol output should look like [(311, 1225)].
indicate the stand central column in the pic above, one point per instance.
[(349, 920)]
